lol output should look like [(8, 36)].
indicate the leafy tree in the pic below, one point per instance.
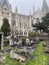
[(44, 25), (5, 27), (45, 22), (40, 26)]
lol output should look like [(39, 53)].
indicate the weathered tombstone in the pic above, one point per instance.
[(1, 40), (10, 40), (27, 41)]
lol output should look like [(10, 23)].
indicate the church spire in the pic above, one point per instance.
[(5, 2), (16, 10), (45, 7), (33, 9)]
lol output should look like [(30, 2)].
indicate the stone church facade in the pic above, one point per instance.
[(21, 24)]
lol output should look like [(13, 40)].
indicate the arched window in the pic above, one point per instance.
[(13, 23), (25, 25), (2, 12), (21, 33), (20, 24), (25, 33)]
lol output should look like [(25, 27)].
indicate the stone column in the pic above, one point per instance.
[(23, 32), (2, 42), (27, 33)]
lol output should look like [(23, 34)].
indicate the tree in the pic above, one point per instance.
[(39, 26), (5, 27), (44, 25), (45, 22)]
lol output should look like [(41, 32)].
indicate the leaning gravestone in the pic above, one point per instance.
[(1, 40)]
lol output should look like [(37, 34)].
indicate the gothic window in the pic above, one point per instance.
[(21, 33), (25, 33), (13, 23), (7, 13), (2, 12), (20, 24), (25, 25)]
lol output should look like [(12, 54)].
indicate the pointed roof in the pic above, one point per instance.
[(16, 10), (5, 2), (45, 4), (45, 8), (33, 9)]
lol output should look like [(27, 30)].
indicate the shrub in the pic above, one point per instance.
[(6, 42), (23, 41)]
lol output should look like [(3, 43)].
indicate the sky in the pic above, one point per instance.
[(25, 6)]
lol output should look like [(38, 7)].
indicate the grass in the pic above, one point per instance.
[(39, 57), (9, 61)]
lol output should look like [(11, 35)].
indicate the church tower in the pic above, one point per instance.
[(45, 8), (5, 11)]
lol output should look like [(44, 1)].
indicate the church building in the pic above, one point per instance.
[(21, 24)]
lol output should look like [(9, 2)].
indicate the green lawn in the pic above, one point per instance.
[(39, 57)]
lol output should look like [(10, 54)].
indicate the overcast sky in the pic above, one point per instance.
[(25, 6)]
